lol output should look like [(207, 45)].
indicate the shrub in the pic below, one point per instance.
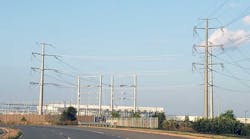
[(161, 117), (68, 115), (226, 123)]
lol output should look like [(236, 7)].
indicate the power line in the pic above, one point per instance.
[(242, 14), (242, 81), (217, 9), (231, 90), (60, 80), (67, 64), (234, 63)]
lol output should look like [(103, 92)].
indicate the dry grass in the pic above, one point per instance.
[(175, 133), (33, 119), (10, 133)]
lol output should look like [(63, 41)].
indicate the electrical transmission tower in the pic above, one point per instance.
[(208, 69), (42, 69), (100, 87), (134, 86)]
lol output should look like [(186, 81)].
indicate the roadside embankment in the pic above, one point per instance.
[(172, 133), (10, 133)]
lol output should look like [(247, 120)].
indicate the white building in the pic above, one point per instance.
[(94, 109)]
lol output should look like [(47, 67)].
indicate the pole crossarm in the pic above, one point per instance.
[(52, 84), (221, 64), (35, 53), (35, 69), (221, 46), (55, 56), (208, 28), (89, 86), (46, 44)]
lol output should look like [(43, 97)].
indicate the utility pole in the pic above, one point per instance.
[(135, 91), (42, 69), (211, 84), (208, 70), (78, 95), (112, 93), (245, 117), (41, 84), (206, 73), (100, 95)]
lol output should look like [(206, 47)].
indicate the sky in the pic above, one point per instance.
[(153, 39)]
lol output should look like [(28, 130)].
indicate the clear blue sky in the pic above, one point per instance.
[(153, 39)]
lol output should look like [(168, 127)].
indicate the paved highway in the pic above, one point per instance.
[(66, 132)]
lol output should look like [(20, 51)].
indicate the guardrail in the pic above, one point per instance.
[(94, 124), (134, 122)]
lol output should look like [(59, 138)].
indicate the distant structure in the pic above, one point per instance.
[(57, 108), (106, 110), (194, 118)]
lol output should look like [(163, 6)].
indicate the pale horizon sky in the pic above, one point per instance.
[(152, 39)]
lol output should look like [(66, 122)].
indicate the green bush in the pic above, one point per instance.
[(170, 125), (161, 117), (69, 114), (115, 114), (226, 123), (246, 130), (135, 114)]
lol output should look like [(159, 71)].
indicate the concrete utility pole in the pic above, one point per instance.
[(208, 71), (135, 91), (41, 84), (112, 93), (78, 95), (245, 117), (100, 95), (211, 84), (42, 70)]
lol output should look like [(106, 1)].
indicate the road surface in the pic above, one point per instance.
[(67, 132)]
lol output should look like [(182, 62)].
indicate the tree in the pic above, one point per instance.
[(161, 117), (115, 114), (229, 114), (135, 114), (69, 114)]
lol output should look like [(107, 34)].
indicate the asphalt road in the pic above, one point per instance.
[(66, 132)]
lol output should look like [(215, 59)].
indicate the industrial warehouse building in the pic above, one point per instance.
[(57, 108)]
